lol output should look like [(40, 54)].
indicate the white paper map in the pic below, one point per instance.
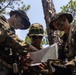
[(43, 55)]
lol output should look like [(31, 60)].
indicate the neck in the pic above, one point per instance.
[(37, 46), (67, 30)]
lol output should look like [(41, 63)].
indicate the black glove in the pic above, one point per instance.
[(57, 65)]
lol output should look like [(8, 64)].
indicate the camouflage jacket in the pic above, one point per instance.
[(68, 47), (9, 39)]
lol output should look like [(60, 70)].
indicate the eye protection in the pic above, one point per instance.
[(37, 37)]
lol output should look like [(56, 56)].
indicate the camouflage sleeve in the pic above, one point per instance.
[(14, 42), (11, 40), (2, 35)]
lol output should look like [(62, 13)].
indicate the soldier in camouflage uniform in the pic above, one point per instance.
[(67, 50), (10, 45), (36, 33)]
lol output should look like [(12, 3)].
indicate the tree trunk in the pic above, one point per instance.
[(49, 10)]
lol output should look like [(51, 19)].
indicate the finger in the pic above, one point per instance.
[(41, 67), (44, 64)]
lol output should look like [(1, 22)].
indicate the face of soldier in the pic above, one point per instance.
[(18, 22), (61, 23), (36, 40)]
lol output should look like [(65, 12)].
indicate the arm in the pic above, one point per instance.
[(13, 41)]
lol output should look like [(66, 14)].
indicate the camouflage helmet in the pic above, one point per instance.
[(54, 17), (36, 29), (26, 21)]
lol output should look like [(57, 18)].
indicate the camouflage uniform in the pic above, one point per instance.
[(10, 44), (36, 29), (66, 49)]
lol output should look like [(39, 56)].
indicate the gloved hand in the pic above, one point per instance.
[(43, 66), (70, 64), (57, 64)]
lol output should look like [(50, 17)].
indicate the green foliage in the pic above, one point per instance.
[(71, 8), (45, 41), (45, 38), (27, 39), (5, 5)]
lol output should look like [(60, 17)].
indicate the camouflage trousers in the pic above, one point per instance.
[(5, 70)]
